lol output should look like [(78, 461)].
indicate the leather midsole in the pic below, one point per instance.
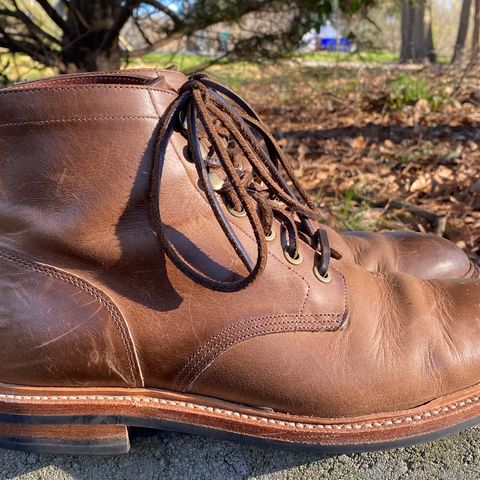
[(46, 401)]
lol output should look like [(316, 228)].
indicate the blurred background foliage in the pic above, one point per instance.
[(79, 35)]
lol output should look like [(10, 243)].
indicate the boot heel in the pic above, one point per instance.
[(71, 439)]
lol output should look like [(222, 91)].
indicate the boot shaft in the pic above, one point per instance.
[(76, 161)]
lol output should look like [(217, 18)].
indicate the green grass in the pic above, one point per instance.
[(338, 57), (184, 61), (406, 89), (191, 61), (15, 67), (354, 216)]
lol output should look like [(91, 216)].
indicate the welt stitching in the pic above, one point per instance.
[(391, 421), (240, 328), (85, 87), (91, 291), (78, 119)]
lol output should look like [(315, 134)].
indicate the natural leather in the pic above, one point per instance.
[(88, 298), (425, 256)]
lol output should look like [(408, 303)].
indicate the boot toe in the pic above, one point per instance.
[(424, 256)]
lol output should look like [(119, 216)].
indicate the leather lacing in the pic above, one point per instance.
[(224, 142)]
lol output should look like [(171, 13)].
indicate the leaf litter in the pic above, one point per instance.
[(379, 150)]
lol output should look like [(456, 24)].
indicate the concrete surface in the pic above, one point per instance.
[(176, 456)]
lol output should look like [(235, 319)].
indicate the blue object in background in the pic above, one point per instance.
[(336, 44)]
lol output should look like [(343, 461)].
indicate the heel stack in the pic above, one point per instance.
[(71, 439)]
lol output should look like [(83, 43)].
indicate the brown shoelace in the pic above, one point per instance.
[(223, 133)]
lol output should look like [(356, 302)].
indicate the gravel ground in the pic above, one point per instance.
[(176, 456)]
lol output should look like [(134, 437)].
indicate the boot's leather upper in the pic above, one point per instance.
[(88, 295), (421, 255)]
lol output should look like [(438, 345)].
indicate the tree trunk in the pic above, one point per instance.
[(462, 31), (406, 27), (417, 38), (476, 29), (429, 46), (418, 31), (93, 40)]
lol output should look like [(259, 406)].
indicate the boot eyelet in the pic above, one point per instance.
[(271, 236), (296, 260), (186, 154), (216, 181), (182, 119), (327, 278), (237, 213)]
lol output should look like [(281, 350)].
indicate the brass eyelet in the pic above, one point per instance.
[(297, 260), (216, 181), (182, 118), (327, 278), (271, 236), (237, 213), (186, 154)]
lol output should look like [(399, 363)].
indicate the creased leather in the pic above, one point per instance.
[(74, 190)]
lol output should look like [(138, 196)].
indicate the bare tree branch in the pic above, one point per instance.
[(16, 46), (54, 15), (32, 27), (156, 45), (162, 8), (142, 32), (122, 19)]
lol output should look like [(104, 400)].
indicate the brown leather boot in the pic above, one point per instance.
[(422, 255), (146, 282)]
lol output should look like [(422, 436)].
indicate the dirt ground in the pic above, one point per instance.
[(180, 457)]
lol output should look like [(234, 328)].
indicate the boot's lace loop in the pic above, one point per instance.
[(238, 168)]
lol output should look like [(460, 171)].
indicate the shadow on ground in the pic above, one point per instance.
[(177, 456), (393, 132)]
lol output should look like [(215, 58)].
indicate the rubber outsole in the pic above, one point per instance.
[(121, 445)]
